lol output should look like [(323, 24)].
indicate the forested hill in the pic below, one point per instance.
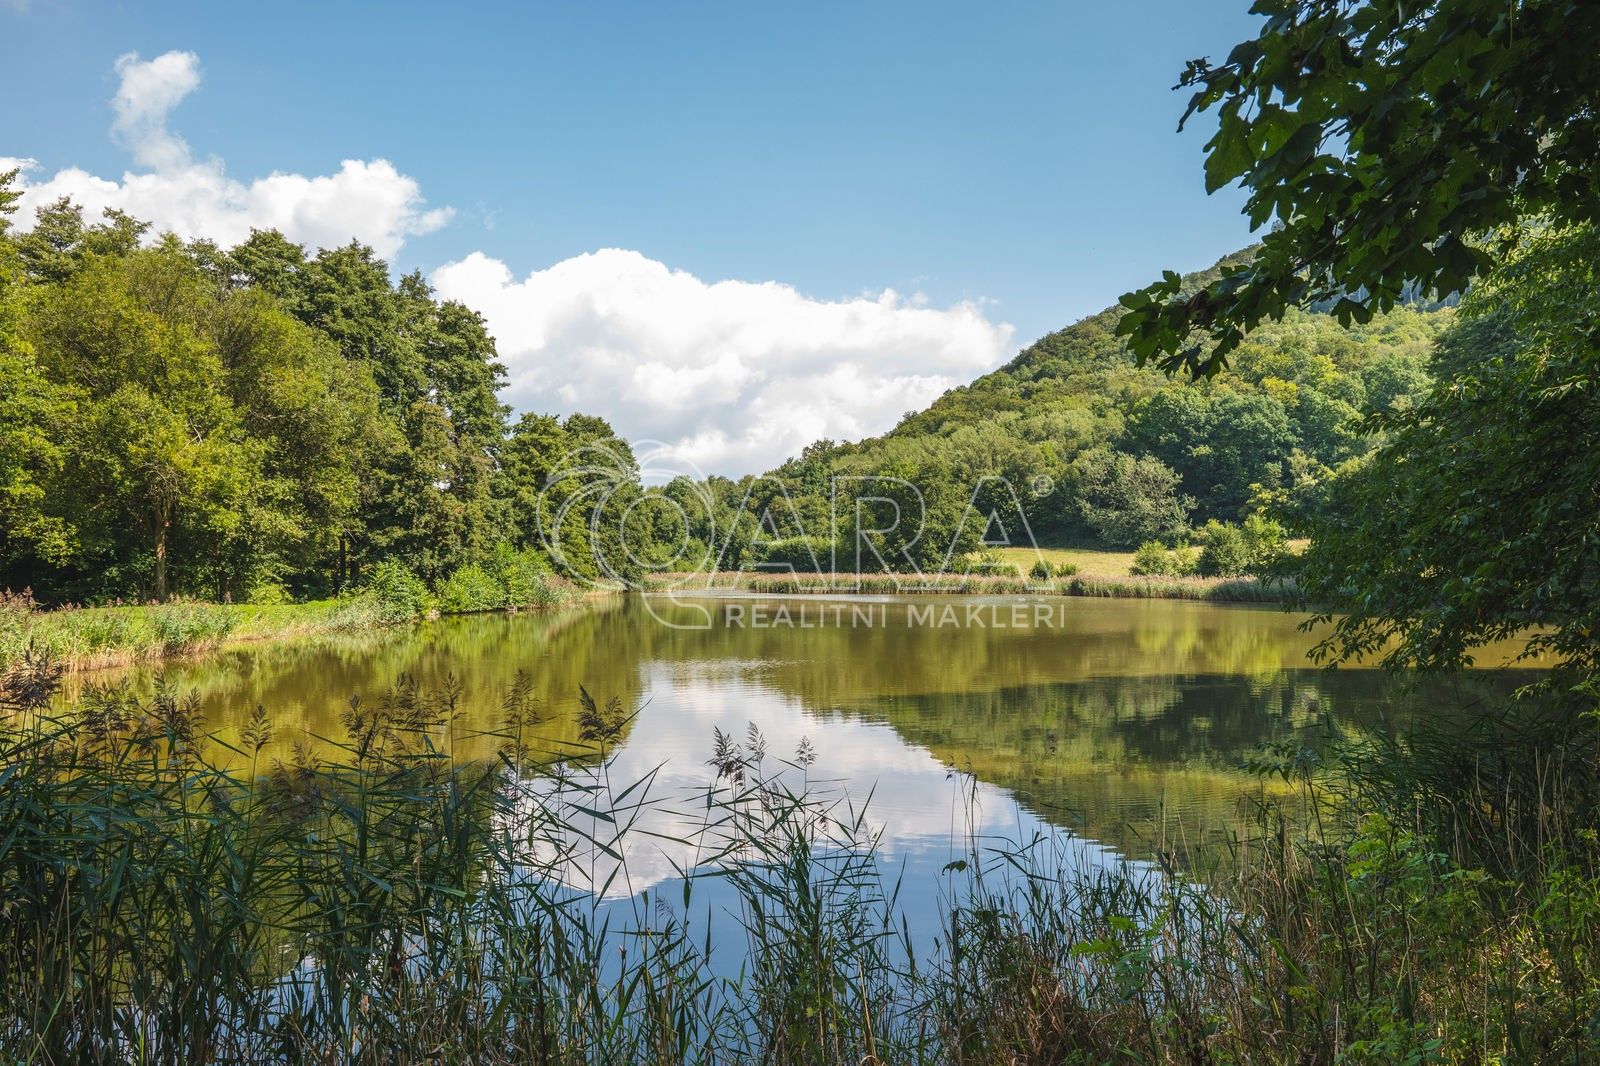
[(1086, 346), (1103, 452)]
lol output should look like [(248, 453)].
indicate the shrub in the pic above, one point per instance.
[(1224, 551), (1153, 560), (267, 594), (1066, 569), (1041, 571), (469, 589), (801, 555), (399, 593), (1231, 551), (524, 575), (989, 561), (1267, 542)]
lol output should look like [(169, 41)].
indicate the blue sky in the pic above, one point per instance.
[(1017, 160)]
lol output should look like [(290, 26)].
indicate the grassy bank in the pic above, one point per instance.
[(1090, 562), (1213, 589), (399, 907), (85, 638), (88, 638)]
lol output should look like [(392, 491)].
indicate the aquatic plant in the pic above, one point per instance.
[(396, 904)]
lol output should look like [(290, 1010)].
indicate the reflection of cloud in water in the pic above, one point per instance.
[(914, 808), (1127, 718)]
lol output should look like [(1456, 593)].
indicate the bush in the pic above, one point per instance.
[(989, 561), (1153, 560), (1224, 551), (1044, 570), (1267, 541), (1232, 551), (524, 575), (801, 555), (267, 594), (399, 594), (470, 589)]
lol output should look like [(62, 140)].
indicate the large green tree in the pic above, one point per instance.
[(158, 447), (32, 408), (317, 415), (1124, 501)]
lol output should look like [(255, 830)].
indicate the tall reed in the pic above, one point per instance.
[(399, 905)]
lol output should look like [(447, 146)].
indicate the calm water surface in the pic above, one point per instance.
[(1122, 722)]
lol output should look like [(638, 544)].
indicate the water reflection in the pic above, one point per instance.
[(1124, 721)]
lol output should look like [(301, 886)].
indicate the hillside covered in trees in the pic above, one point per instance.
[(1101, 452)]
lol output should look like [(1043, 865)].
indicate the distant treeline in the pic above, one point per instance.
[(1071, 443), (261, 422)]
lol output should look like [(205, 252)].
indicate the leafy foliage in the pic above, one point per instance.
[(1478, 516), (1155, 559), (471, 589), (398, 592), (1124, 500), (1383, 141), (180, 419)]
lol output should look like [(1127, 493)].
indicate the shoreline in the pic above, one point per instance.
[(88, 639), (1201, 589)]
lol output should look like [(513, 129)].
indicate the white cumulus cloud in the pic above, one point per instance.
[(724, 376), (733, 376), (367, 200)]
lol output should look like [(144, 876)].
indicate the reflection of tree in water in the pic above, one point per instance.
[(1234, 649), (1138, 761), (1133, 714), (830, 665), (306, 685)]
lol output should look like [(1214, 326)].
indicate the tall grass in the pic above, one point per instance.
[(91, 637), (1216, 590), (1210, 589), (86, 638), (400, 906)]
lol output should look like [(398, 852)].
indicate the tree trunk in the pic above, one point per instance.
[(161, 523)]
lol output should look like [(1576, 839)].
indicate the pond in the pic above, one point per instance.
[(1122, 722)]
